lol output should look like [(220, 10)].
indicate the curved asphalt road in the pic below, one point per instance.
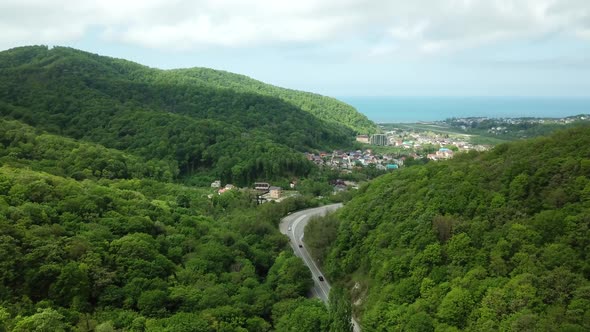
[(293, 226)]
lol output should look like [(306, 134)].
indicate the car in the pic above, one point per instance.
[(301, 246), (289, 228), (321, 278)]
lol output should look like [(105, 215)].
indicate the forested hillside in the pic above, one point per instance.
[(497, 241), (96, 231), (199, 124), (24, 146), (325, 108), (95, 239)]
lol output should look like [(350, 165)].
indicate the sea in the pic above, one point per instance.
[(428, 109)]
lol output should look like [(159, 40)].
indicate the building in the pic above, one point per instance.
[(363, 139), (261, 186), (216, 184), (275, 192), (379, 139), (227, 188), (444, 153)]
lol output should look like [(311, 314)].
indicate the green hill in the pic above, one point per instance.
[(497, 241), (96, 239), (96, 234), (224, 127), (325, 108)]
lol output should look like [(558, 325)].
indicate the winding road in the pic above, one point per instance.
[(293, 226)]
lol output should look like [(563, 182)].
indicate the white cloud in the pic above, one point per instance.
[(387, 26)]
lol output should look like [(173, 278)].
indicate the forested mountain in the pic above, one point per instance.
[(96, 234), (325, 108), (497, 241), (199, 121), (95, 239)]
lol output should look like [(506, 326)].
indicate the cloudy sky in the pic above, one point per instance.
[(334, 47)]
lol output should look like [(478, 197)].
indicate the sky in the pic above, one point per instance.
[(333, 47)]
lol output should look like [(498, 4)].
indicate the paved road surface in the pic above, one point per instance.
[(293, 226)]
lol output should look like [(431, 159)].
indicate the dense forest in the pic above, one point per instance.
[(97, 233), (325, 108), (496, 241), (95, 239), (203, 124)]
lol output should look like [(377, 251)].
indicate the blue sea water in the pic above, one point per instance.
[(415, 109)]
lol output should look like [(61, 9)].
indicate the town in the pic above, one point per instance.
[(347, 161), (416, 140), (468, 122), (390, 150), (511, 127), (400, 143)]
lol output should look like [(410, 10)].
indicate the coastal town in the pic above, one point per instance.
[(399, 144), (415, 140), (434, 141), (396, 146), (472, 122), (511, 127), (349, 160)]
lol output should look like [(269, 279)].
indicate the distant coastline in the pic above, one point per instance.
[(418, 109)]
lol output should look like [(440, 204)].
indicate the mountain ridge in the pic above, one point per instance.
[(224, 79), (163, 115)]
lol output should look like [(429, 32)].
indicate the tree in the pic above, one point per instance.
[(303, 316), (45, 320), (320, 233), (455, 307), (72, 283), (443, 226), (340, 310), (4, 319), (420, 322), (180, 322), (519, 187), (459, 249), (152, 303), (289, 277)]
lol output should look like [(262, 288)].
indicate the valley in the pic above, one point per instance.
[(129, 202)]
